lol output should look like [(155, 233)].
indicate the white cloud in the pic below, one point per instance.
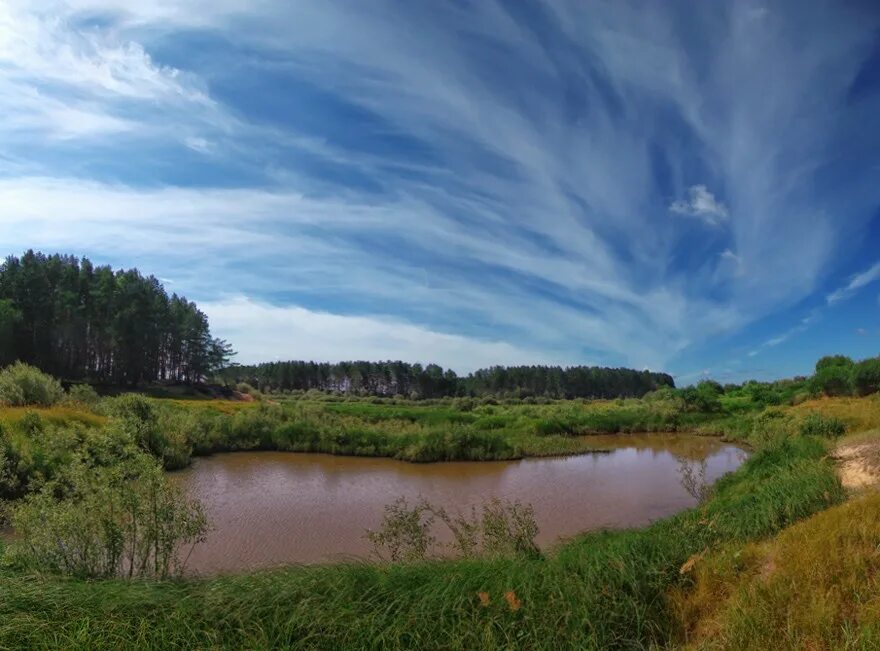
[(45, 47), (63, 79), (263, 333), (77, 123), (536, 215), (200, 145), (224, 237), (702, 204), (35, 114), (858, 281)]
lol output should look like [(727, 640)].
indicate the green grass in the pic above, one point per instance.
[(603, 590), (407, 430), (57, 415)]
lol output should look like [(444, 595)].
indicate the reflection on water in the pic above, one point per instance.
[(270, 508), (694, 477)]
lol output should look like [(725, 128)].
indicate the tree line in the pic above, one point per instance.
[(79, 321), (432, 381)]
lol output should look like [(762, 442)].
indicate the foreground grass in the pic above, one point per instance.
[(815, 586), (603, 590)]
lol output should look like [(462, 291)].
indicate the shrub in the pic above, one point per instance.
[(464, 404), (127, 521), (21, 384), (138, 416), (833, 361), (703, 397), (866, 376), (501, 529), (405, 534), (84, 394), (247, 389), (825, 426), (832, 380)]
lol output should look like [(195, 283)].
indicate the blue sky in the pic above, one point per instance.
[(692, 187)]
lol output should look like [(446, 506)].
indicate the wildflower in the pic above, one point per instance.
[(484, 598), (512, 600)]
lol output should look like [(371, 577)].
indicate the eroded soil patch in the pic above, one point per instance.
[(859, 463)]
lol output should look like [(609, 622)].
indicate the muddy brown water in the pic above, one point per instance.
[(272, 508)]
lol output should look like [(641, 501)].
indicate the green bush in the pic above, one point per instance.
[(833, 361), (21, 384), (159, 431), (826, 426), (833, 380), (127, 520), (503, 529), (83, 394), (704, 397), (866, 376)]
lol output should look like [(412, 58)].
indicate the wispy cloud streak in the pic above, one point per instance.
[(485, 171)]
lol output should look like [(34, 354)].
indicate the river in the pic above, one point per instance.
[(272, 508)]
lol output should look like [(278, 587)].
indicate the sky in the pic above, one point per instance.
[(679, 186)]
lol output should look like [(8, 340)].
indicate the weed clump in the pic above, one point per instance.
[(825, 426), (125, 521), (500, 529), (22, 385)]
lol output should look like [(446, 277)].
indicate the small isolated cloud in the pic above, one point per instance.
[(858, 281), (200, 145), (861, 332), (701, 204), (732, 263)]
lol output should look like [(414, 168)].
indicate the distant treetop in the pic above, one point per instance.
[(432, 381)]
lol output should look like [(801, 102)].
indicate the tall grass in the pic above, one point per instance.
[(814, 586)]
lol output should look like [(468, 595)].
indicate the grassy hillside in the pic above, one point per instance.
[(814, 586)]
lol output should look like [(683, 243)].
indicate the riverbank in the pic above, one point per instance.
[(602, 590), (175, 431), (813, 586), (37, 442)]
